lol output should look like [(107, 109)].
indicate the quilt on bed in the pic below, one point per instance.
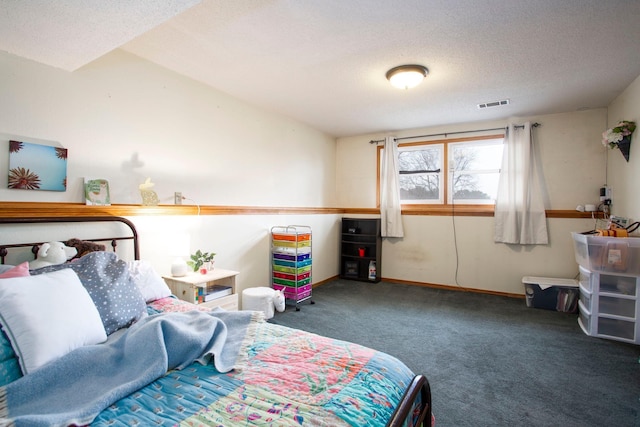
[(74, 388), (284, 377)]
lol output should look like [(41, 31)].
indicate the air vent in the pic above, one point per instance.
[(493, 104)]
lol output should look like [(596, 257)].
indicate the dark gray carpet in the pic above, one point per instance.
[(490, 360)]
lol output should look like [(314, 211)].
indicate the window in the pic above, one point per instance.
[(474, 171), (420, 169), (458, 171)]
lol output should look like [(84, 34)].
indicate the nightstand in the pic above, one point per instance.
[(199, 288)]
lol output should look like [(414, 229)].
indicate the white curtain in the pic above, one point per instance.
[(390, 207), (520, 213)]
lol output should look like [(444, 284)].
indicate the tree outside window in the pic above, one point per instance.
[(461, 171)]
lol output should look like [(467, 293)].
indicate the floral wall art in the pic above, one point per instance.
[(619, 137), (37, 167)]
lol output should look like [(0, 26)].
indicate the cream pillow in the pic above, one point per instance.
[(47, 316)]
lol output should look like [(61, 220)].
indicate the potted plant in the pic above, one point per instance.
[(201, 261)]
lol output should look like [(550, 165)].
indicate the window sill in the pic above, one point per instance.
[(447, 210), (484, 210)]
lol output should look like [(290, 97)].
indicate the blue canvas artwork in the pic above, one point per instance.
[(37, 167)]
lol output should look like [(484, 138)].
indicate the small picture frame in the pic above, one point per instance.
[(96, 192)]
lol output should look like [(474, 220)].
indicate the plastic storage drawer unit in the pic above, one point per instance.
[(614, 255), (291, 262), (609, 287)]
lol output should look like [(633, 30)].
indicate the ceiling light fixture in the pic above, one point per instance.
[(407, 76)]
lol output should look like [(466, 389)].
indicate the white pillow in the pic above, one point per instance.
[(149, 282), (48, 315)]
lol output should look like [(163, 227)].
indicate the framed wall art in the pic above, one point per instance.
[(37, 167), (96, 192)]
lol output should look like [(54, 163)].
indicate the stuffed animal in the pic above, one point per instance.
[(52, 253), (84, 247), (263, 299), (278, 300)]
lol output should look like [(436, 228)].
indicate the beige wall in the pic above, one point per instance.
[(624, 177), (125, 119), (460, 250), (241, 242), (573, 158)]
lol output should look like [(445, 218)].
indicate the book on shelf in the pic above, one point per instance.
[(213, 292)]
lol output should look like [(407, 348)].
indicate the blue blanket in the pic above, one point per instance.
[(61, 394)]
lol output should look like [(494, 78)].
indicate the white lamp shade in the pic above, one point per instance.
[(179, 248), (179, 267), (406, 76)]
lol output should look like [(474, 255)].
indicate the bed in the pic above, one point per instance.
[(101, 341)]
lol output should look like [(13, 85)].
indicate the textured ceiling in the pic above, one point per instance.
[(323, 62), (68, 34)]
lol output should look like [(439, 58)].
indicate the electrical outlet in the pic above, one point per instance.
[(177, 198)]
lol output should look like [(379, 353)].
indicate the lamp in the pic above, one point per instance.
[(179, 267), (180, 248), (407, 76)]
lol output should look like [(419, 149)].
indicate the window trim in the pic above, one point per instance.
[(445, 208)]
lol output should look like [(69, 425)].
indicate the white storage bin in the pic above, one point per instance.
[(552, 293), (258, 299), (614, 255)]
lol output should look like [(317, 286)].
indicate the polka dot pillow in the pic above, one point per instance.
[(111, 287)]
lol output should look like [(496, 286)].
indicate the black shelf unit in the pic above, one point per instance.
[(360, 245)]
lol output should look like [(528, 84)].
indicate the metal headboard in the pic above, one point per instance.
[(46, 220)]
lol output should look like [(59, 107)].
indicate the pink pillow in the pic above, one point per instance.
[(21, 270)]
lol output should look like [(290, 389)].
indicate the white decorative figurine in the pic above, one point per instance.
[(278, 300), (149, 197)]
